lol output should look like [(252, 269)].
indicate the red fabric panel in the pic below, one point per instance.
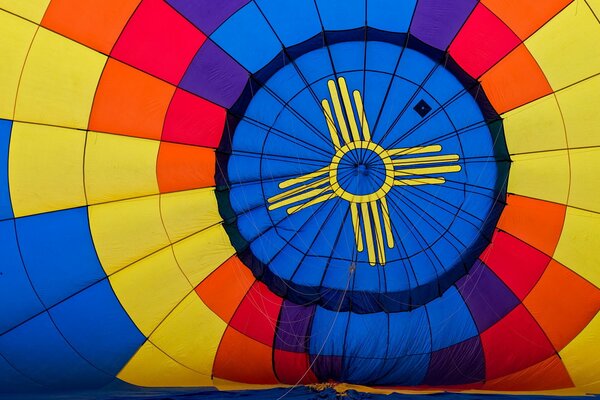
[(257, 315), (483, 41), (514, 343), (159, 41), (293, 368), (193, 120), (515, 262)]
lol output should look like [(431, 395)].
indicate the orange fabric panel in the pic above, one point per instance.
[(245, 360), (224, 289), (536, 222), (563, 303), (525, 16), (516, 80), (183, 167), (94, 23), (130, 102), (549, 374)]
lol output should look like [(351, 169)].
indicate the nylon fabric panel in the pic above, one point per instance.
[(185, 213), (58, 82), (535, 127), (191, 321), (168, 46), (543, 176), (48, 359), (576, 357), (581, 229), (115, 224), (279, 13), (45, 168), (95, 23), (56, 271), (5, 200), (164, 370), (18, 298), (241, 34), (32, 10), (119, 167), (166, 287), (96, 325), (575, 54), (130, 102), (15, 38)]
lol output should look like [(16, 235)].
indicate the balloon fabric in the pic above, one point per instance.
[(398, 194)]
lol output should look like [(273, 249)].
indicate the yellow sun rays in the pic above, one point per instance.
[(369, 212)]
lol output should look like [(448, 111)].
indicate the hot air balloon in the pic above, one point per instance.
[(401, 194)]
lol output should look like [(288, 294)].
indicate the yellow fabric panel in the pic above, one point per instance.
[(125, 231), (581, 357), (119, 167), (45, 168), (189, 212), (585, 179), (192, 323), (579, 243), (153, 368), (567, 48), (595, 5), (203, 252), (16, 35), (579, 105), (59, 81), (540, 175), (31, 9), (150, 288), (536, 126)]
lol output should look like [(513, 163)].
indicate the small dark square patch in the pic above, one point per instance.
[(422, 108)]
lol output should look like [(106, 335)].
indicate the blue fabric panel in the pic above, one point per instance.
[(409, 345), (366, 346), (328, 332), (95, 324), (40, 352), (450, 320), (315, 65), (404, 371), (13, 379), (285, 84), (360, 329), (247, 37), (18, 301), (293, 21), (464, 112), (5, 205), (443, 86), (383, 57), (415, 66), (390, 15), (338, 15), (58, 253), (349, 56)]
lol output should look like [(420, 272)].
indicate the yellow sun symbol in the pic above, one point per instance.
[(370, 212)]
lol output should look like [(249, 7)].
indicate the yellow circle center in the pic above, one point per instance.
[(365, 198)]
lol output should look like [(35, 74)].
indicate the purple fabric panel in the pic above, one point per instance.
[(486, 295), (292, 328), (327, 367), (215, 76), (436, 22), (207, 15), (457, 365)]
